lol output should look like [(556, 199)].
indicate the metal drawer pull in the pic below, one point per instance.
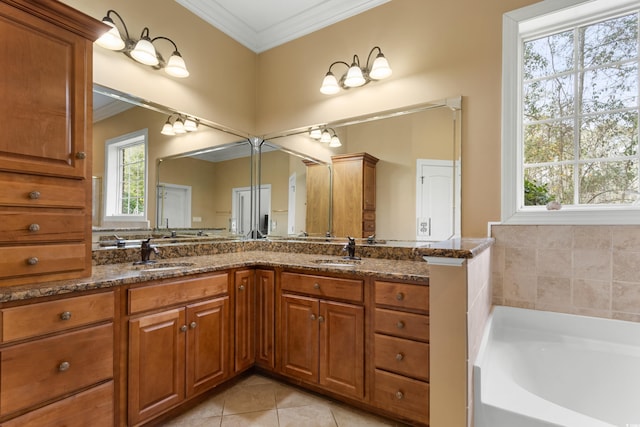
[(399, 395), (313, 317), (316, 286), (320, 318), (399, 357), (33, 260), (81, 155), (34, 195), (399, 296), (183, 328), (34, 227), (400, 324), (64, 366), (193, 325), (241, 288), (66, 315)]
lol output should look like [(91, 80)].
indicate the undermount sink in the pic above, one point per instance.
[(162, 266), (338, 262)]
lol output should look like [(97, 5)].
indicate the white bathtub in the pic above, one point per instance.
[(537, 368)]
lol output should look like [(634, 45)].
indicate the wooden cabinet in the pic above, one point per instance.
[(318, 184), (265, 319), (176, 353), (401, 349), (49, 365), (323, 340), (244, 304), (45, 154), (354, 195)]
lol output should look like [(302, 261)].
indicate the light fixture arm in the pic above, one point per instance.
[(356, 75), (175, 48), (369, 56), (338, 62), (128, 42)]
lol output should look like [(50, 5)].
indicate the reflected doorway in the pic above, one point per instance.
[(175, 205), (435, 202), (241, 208)]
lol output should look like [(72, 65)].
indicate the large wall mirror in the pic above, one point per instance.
[(220, 170)]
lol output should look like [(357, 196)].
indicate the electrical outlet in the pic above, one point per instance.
[(196, 219)]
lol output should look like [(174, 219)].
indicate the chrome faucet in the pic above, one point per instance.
[(350, 247), (145, 251)]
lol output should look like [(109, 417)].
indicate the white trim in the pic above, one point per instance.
[(516, 25), (446, 261)]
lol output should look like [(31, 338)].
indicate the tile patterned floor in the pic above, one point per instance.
[(258, 401)]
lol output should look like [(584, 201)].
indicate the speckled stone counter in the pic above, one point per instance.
[(114, 267)]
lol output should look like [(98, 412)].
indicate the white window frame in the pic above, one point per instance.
[(545, 17), (111, 149)]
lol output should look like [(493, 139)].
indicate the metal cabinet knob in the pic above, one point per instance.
[(399, 296), (34, 195), (241, 288), (399, 395), (399, 357), (400, 324), (316, 286), (183, 328), (64, 366), (33, 260), (34, 227), (81, 155), (66, 315), (312, 317), (320, 318), (193, 325)]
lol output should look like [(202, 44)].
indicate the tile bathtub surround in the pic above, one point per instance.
[(579, 269), (260, 401)]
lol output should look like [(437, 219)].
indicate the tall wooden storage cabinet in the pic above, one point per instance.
[(354, 195), (318, 198), (45, 145)]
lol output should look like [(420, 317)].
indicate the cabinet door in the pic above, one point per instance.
[(46, 72), (265, 318), (156, 363), (342, 348), (299, 329), (244, 324), (207, 344)]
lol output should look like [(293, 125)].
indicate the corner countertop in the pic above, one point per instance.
[(182, 260)]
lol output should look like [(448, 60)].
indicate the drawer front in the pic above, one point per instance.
[(402, 324), (41, 259), (39, 225), (29, 190), (402, 295), (402, 395), (48, 368), (93, 407), (53, 316), (368, 226), (402, 356), (344, 289), (369, 216), (172, 293)]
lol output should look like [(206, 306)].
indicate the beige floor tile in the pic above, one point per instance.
[(249, 398), (291, 397), (347, 416), (251, 419), (186, 421), (307, 416)]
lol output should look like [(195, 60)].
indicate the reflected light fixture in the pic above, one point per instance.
[(142, 50), (325, 135), (181, 125), (356, 75)]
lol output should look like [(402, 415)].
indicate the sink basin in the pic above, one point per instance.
[(338, 262), (162, 266)]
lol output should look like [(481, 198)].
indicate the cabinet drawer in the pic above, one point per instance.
[(402, 295), (39, 225), (402, 356), (42, 318), (29, 190), (402, 324), (369, 216), (93, 407), (172, 293), (330, 287), (41, 259), (48, 368), (368, 226), (402, 395)]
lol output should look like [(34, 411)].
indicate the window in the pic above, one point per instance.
[(570, 112), (125, 183)]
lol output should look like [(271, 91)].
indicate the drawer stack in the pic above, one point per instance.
[(401, 349), (56, 360)]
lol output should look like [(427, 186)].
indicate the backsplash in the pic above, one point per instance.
[(579, 269)]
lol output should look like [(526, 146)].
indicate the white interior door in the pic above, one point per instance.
[(175, 206), (241, 209), (435, 204)]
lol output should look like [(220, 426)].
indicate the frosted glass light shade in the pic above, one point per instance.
[(190, 125), (326, 136), (330, 84), (145, 53), (167, 129), (354, 77), (112, 39), (315, 133), (335, 142), (176, 67), (380, 68), (178, 127)]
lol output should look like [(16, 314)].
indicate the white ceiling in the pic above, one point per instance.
[(263, 24)]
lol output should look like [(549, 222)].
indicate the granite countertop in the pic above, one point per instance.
[(114, 267)]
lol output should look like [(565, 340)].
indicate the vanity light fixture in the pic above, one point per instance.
[(181, 124), (325, 135), (142, 50), (357, 76)]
